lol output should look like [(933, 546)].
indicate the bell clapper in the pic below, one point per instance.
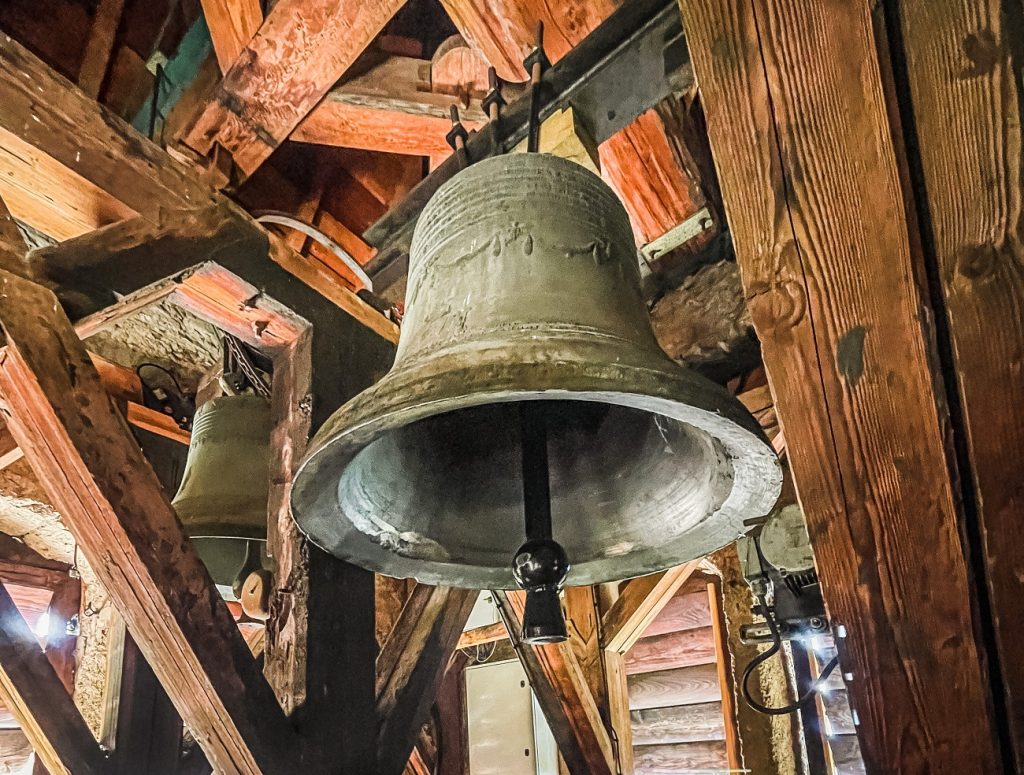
[(541, 565)]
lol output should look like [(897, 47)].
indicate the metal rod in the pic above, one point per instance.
[(536, 61), (536, 484)]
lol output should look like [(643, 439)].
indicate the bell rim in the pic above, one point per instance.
[(757, 476)]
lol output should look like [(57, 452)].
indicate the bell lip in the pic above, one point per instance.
[(756, 480)]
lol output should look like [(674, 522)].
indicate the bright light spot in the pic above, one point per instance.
[(42, 628), (841, 630), (847, 677), (856, 717)]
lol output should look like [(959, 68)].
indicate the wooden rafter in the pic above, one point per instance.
[(563, 693), (640, 602), (232, 24), (81, 450), (100, 46), (35, 694), (411, 665), (79, 141), (801, 143), (298, 54)]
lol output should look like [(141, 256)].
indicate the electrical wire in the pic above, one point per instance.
[(776, 647)]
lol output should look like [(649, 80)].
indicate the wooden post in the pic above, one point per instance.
[(810, 164)]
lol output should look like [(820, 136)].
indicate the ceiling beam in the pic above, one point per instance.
[(35, 695), (95, 474), (801, 144), (638, 605), (563, 693), (76, 140), (411, 665), (298, 54), (232, 24)]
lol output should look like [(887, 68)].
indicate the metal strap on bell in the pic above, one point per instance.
[(222, 500), (524, 287)]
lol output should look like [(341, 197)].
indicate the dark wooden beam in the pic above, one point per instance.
[(81, 449), (802, 142), (961, 60), (298, 54), (563, 694), (411, 665), (32, 690)]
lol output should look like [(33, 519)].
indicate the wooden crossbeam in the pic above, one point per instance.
[(411, 665), (32, 690), (98, 171), (232, 24), (801, 143), (298, 54), (563, 693), (80, 448), (386, 109), (638, 605)]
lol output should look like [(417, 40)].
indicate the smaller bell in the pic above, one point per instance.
[(222, 500)]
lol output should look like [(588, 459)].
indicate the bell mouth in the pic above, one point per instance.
[(433, 491)]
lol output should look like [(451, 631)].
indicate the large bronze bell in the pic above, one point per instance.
[(222, 500), (524, 291)]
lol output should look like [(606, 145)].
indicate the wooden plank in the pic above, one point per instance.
[(685, 611), (298, 54), (676, 649), (480, 636), (846, 755), (563, 694), (232, 24), (838, 716), (124, 172), (801, 142), (33, 691), (640, 603), (678, 724), (682, 686), (15, 752), (619, 720), (411, 665), (81, 449), (100, 46), (962, 72), (726, 674), (385, 109), (680, 757)]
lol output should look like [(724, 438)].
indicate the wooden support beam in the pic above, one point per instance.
[(563, 694), (479, 636), (801, 143), (81, 449), (639, 604), (232, 24), (411, 665), (100, 46), (298, 54), (962, 66), (114, 172), (386, 109), (32, 690)]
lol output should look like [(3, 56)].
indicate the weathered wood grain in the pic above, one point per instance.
[(678, 724), (100, 46), (232, 24), (639, 604), (846, 756), (563, 694), (685, 611), (682, 686), (298, 54), (798, 112), (963, 71), (86, 459), (675, 649), (32, 690), (679, 757)]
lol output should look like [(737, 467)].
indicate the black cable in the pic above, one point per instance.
[(765, 656)]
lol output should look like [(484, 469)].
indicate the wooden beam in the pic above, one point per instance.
[(962, 71), (639, 604), (99, 46), (81, 449), (411, 665), (298, 54), (708, 755), (801, 143), (563, 694), (386, 109), (679, 724), (232, 24), (726, 677), (20, 564), (479, 636), (675, 649), (124, 173), (34, 693)]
